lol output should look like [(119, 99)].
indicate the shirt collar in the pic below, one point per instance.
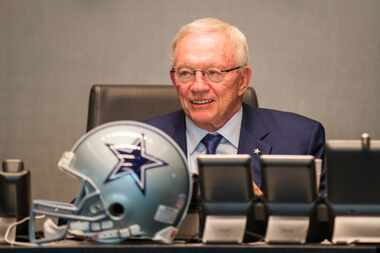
[(230, 131)]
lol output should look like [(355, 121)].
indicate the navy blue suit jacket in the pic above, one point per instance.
[(272, 132)]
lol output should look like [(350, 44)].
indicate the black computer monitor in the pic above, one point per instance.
[(225, 183), (353, 176), (289, 183)]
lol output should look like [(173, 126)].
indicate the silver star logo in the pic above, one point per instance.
[(257, 151), (134, 160)]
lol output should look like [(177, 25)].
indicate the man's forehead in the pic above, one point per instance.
[(205, 37), (212, 48)]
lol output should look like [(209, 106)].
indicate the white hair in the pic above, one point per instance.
[(237, 38)]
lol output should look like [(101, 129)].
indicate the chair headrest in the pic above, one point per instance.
[(110, 102)]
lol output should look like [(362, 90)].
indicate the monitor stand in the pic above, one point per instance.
[(224, 229), (356, 229), (287, 229)]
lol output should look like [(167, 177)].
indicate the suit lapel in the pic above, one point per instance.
[(178, 130), (252, 139)]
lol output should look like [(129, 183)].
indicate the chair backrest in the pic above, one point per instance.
[(111, 102)]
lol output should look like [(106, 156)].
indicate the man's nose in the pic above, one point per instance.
[(200, 83)]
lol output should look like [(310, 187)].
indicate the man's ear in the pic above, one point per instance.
[(246, 74), (173, 79)]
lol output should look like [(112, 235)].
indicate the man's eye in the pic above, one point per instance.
[(185, 73), (213, 72)]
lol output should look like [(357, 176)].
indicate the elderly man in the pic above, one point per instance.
[(210, 71)]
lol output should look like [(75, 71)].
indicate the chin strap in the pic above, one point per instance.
[(13, 226), (52, 231), (166, 235)]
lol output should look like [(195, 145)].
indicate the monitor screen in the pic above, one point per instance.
[(289, 178), (353, 174), (225, 178)]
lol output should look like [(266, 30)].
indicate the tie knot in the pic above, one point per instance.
[(211, 141)]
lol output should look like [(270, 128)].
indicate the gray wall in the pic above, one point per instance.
[(319, 58)]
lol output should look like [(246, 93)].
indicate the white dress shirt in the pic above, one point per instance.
[(228, 145)]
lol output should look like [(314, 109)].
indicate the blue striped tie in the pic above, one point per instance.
[(211, 142)]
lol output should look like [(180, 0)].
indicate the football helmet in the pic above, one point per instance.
[(134, 184)]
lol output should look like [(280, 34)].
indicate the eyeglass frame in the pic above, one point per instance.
[(204, 72)]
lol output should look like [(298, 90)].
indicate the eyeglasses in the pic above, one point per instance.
[(215, 75)]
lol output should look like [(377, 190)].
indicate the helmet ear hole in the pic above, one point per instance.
[(116, 209)]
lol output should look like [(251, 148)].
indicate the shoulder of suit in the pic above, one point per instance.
[(165, 119), (281, 118)]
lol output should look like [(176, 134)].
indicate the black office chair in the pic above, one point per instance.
[(111, 102), (139, 102)]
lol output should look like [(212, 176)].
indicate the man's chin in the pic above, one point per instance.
[(201, 120), (198, 116)]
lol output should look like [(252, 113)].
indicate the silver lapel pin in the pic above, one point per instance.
[(257, 151)]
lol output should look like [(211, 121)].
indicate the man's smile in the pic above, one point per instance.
[(201, 101)]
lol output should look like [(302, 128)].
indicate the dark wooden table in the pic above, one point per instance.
[(76, 247)]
